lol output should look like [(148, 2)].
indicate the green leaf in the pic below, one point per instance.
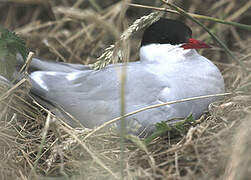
[(13, 42), (163, 127), (10, 45)]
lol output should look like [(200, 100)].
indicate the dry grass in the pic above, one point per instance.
[(34, 144)]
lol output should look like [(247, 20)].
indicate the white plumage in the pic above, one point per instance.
[(164, 73)]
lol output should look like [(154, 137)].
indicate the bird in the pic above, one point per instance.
[(169, 69)]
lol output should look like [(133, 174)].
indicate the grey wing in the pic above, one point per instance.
[(93, 97), (67, 91), (87, 95)]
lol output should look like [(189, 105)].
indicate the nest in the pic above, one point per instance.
[(36, 144)]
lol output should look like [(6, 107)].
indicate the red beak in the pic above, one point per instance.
[(195, 44)]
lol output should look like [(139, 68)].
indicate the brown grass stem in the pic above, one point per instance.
[(93, 155), (7, 93)]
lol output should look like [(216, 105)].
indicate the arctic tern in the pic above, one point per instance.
[(169, 69)]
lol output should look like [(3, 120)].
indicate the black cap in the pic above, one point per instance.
[(166, 31)]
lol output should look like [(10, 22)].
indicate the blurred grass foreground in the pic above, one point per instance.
[(215, 147)]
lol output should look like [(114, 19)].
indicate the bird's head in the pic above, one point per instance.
[(173, 32)]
